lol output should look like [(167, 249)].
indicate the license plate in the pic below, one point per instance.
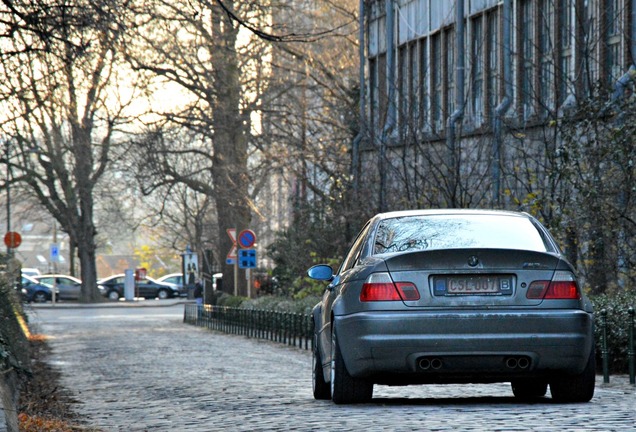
[(466, 285)]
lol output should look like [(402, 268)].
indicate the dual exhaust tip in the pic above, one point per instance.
[(426, 363), (521, 362), (435, 363)]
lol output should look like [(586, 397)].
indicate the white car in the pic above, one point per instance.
[(28, 271)]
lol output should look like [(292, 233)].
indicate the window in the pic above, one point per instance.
[(565, 55), (373, 92), (423, 87), (493, 48), (613, 39), (449, 63), (436, 81), (403, 87), (414, 85), (546, 48), (477, 61), (527, 58)]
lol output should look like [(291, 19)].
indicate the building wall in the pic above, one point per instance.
[(561, 51)]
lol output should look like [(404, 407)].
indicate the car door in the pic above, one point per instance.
[(68, 288), (147, 289)]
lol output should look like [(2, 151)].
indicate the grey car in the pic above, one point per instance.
[(453, 296), (68, 287)]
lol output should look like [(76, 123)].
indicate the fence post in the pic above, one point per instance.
[(604, 351), (630, 353)]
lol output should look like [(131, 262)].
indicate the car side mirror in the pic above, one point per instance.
[(321, 272)]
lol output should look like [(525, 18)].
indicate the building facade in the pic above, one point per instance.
[(468, 77)]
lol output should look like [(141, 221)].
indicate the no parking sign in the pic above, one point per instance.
[(246, 239)]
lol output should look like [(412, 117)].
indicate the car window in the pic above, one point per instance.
[(414, 233), (356, 249)]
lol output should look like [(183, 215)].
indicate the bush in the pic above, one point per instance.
[(282, 304), (617, 328)]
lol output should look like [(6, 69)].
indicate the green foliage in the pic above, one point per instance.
[(14, 351), (617, 328), (228, 300), (282, 304), (316, 237)]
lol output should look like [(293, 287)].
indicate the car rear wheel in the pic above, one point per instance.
[(322, 390), (576, 388), (529, 389), (113, 295), (346, 389), (40, 297), (163, 294)]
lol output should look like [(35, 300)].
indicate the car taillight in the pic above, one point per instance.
[(563, 286), (380, 287)]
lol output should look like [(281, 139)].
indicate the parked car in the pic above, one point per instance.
[(453, 296), (29, 271), (33, 291), (68, 287), (176, 280), (112, 287)]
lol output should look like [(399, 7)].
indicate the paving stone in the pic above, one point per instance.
[(142, 369)]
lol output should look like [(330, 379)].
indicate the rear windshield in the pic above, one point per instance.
[(414, 233)]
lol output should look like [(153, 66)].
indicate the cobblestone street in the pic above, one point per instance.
[(142, 369)]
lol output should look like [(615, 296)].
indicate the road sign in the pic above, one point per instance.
[(12, 239), (246, 239), (54, 252), (247, 258), (232, 254), (230, 261)]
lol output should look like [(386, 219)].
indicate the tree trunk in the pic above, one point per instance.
[(231, 128)]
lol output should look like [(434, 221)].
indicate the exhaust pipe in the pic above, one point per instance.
[(518, 362), (426, 363)]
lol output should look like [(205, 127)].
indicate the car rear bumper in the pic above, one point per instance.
[(464, 346)]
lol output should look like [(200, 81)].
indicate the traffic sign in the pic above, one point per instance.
[(12, 239), (246, 239), (233, 251), (247, 258), (54, 252)]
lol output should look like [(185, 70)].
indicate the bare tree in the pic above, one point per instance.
[(224, 58), (62, 111)]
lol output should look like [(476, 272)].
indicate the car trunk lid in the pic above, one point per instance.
[(473, 277)]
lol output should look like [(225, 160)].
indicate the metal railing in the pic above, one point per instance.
[(283, 327), (631, 351)]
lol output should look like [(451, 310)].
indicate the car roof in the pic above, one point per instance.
[(49, 275), (450, 212)]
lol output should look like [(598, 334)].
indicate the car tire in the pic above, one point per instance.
[(529, 389), (322, 389), (40, 297), (346, 389), (113, 295), (163, 294), (576, 388)]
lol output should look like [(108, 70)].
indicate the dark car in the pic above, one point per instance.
[(113, 288), (453, 296), (33, 291), (67, 287)]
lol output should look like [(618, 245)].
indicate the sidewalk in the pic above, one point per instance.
[(139, 302)]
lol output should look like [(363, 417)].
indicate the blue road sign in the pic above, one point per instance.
[(54, 252), (247, 258)]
